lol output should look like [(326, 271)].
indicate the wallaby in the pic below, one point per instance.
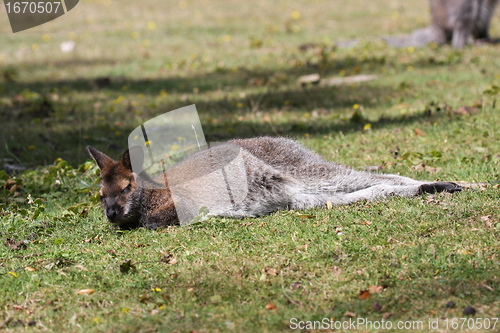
[(457, 21), (278, 173)]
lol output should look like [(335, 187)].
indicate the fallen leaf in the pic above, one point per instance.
[(336, 270), (376, 289), (418, 132), (9, 183), (305, 216), (271, 306), (464, 252), (30, 269), (329, 205), (466, 110), (485, 286), (386, 315), (350, 314), (13, 245), (81, 267), (271, 271), (487, 221), (85, 291), (172, 261), (302, 247), (424, 167), (364, 294)]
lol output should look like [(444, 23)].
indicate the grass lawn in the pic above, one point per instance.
[(430, 114)]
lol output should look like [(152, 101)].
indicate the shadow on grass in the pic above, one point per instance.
[(39, 132)]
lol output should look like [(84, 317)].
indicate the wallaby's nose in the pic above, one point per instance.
[(111, 214)]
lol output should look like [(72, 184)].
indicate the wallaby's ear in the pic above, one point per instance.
[(133, 159), (101, 159)]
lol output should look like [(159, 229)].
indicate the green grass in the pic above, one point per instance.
[(239, 62)]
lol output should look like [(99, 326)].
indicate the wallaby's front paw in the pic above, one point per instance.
[(439, 187)]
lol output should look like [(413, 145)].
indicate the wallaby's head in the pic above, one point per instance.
[(120, 195)]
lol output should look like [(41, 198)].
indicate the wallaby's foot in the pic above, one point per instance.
[(439, 187)]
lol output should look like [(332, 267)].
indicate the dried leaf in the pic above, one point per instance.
[(13, 245), (30, 269), (418, 132), (306, 216), (329, 205), (85, 291), (302, 247), (375, 289), (466, 110), (487, 221), (271, 271), (424, 167), (350, 314), (364, 294), (81, 267), (271, 306)]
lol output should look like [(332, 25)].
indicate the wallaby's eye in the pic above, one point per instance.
[(126, 189)]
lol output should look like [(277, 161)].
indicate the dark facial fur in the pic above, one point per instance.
[(120, 195)]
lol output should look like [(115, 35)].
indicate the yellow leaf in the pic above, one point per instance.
[(125, 310), (151, 25), (85, 292), (464, 252), (156, 289), (367, 127), (295, 15), (13, 274)]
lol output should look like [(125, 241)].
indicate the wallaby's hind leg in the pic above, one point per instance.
[(381, 191)]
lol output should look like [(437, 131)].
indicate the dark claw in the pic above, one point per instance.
[(439, 187)]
